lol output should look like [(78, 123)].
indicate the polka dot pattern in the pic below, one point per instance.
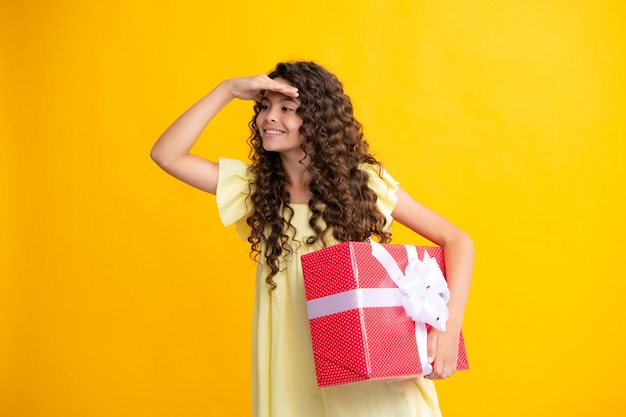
[(368, 343)]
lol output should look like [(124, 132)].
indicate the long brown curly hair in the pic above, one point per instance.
[(342, 203)]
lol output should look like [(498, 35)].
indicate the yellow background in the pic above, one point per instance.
[(122, 295)]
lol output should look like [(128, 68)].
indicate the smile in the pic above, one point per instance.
[(273, 132)]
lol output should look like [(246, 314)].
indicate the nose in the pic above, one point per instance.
[(272, 114)]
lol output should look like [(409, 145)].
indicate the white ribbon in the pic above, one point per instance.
[(353, 299), (425, 293)]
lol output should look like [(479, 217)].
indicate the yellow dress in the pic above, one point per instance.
[(283, 370)]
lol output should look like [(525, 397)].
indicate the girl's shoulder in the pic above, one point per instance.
[(384, 186), (229, 164), (378, 175)]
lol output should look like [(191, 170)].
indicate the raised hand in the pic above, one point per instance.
[(250, 88), (172, 151)]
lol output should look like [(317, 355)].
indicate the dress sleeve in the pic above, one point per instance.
[(233, 189), (385, 188)]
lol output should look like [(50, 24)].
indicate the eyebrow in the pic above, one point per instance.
[(282, 99)]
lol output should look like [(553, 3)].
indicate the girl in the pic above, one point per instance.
[(311, 183)]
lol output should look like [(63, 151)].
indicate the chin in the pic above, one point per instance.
[(268, 148)]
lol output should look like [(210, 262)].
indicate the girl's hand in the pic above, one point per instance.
[(250, 88), (172, 151), (443, 351)]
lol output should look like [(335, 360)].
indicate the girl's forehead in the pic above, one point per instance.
[(276, 96)]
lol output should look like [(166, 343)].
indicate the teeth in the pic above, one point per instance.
[(273, 132)]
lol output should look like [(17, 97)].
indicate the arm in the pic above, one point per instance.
[(172, 150), (459, 261)]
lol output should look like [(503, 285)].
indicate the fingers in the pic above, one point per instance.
[(442, 369), (278, 86), (442, 358), (252, 88)]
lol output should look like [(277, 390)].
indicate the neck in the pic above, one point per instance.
[(297, 179), (295, 167)]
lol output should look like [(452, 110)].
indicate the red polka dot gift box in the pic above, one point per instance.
[(370, 307)]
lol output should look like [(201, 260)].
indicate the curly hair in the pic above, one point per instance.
[(342, 203)]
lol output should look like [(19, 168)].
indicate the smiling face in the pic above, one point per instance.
[(279, 124)]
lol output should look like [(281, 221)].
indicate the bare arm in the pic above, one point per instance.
[(459, 261), (172, 150)]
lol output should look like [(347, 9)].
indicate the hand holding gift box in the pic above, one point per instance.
[(368, 318)]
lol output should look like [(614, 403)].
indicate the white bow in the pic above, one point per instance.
[(425, 292)]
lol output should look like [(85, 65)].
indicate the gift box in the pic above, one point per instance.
[(370, 307)]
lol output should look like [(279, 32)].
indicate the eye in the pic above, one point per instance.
[(264, 107), (287, 109)]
